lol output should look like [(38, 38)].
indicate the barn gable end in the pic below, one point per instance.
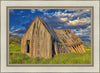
[(35, 39)]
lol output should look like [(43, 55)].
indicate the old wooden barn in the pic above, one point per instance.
[(40, 40)]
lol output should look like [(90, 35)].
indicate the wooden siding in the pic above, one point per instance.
[(40, 40)]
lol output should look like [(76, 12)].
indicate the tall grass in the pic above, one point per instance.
[(15, 57)]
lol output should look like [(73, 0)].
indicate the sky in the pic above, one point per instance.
[(78, 20)]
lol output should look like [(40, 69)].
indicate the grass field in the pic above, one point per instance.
[(16, 57)]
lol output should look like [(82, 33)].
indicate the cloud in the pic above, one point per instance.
[(66, 10), (81, 13), (23, 16), (73, 13), (48, 14), (18, 31), (66, 23), (70, 18), (33, 10), (83, 33), (21, 11), (42, 10), (53, 21), (61, 14), (12, 27), (83, 21), (64, 19)]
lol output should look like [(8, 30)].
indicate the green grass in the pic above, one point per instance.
[(16, 57)]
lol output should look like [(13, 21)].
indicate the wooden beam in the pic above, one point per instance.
[(56, 49)]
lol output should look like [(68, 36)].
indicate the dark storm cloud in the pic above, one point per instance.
[(77, 27), (53, 21), (57, 23)]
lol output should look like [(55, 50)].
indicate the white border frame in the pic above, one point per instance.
[(4, 68)]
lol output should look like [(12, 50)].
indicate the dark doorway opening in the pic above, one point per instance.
[(28, 46), (53, 49)]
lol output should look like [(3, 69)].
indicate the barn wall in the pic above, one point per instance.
[(27, 36), (41, 41)]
